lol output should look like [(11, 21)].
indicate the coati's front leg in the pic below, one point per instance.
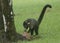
[(30, 31), (36, 30), (33, 30)]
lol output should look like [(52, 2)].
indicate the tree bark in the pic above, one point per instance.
[(9, 17), (1, 23), (1, 18)]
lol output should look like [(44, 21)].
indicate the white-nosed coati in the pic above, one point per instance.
[(32, 24)]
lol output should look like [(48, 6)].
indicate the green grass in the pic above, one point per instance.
[(50, 26)]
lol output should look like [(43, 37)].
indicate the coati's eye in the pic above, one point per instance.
[(26, 26)]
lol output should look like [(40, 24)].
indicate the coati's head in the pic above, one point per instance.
[(26, 24)]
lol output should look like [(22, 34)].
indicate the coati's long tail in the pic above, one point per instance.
[(42, 13)]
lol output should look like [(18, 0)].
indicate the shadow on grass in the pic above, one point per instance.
[(3, 38), (18, 37)]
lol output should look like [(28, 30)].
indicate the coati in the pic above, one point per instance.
[(33, 25)]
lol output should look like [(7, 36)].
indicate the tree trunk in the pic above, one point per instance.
[(1, 18), (1, 23), (9, 17)]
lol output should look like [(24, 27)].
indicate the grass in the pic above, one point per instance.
[(50, 26)]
